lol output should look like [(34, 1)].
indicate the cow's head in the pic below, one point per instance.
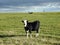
[(25, 22)]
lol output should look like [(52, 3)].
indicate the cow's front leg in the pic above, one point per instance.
[(27, 33)]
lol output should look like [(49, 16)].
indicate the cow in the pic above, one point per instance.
[(31, 26), (30, 12)]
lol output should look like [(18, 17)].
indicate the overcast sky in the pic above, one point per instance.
[(29, 5)]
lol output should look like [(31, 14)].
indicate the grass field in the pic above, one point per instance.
[(12, 31)]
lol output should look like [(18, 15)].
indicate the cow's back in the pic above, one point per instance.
[(34, 25)]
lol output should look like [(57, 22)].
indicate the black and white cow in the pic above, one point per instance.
[(30, 12), (31, 26)]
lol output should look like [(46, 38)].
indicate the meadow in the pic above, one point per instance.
[(12, 29)]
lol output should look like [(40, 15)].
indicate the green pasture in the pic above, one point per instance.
[(12, 29)]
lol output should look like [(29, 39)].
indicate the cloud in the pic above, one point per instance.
[(29, 5), (25, 2)]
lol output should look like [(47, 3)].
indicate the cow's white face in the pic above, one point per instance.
[(25, 23)]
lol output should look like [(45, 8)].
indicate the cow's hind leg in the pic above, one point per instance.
[(30, 33), (37, 34)]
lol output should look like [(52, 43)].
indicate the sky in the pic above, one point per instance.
[(29, 5)]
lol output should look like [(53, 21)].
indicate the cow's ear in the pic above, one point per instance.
[(22, 21), (27, 21)]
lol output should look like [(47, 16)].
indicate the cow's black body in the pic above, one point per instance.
[(32, 26)]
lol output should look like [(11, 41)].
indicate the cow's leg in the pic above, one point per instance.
[(30, 33), (27, 33), (37, 34)]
